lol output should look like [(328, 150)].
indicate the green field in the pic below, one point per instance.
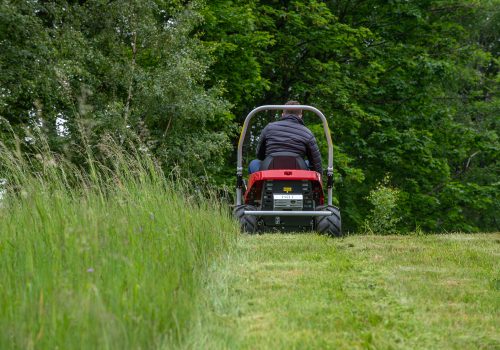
[(122, 124), (122, 258), (366, 292)]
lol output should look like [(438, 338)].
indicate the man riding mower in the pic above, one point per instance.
[(284, 193)]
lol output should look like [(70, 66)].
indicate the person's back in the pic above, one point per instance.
[(289, 134)]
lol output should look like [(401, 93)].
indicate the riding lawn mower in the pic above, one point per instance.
[(284, 195)]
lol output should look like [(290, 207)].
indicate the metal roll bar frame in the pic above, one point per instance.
[(239, 160)]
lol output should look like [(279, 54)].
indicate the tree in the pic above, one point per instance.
[(403, 84), (124, 68)]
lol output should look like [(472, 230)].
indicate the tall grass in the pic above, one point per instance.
[(109, 258)]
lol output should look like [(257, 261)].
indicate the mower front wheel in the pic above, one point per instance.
[(329, 225), (248, 223)]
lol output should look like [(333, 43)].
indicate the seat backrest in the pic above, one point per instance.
[(283, 160)]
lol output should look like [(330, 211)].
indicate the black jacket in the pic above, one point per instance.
[(289, 135)]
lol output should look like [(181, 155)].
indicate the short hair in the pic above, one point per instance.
[(296, 112)]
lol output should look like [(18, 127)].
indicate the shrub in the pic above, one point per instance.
[(383, 216)]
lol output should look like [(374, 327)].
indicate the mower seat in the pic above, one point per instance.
[(283, 160)]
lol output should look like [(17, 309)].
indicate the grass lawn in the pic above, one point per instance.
[(369, 292)]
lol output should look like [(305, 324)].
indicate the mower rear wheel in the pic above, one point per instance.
[(329, 225), (248, 223)]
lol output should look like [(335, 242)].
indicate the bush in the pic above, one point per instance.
[(383, 216)]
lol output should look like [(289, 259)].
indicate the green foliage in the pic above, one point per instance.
[(239, 45), (124, 68), (383, 216), (111, 259), (410, 89)]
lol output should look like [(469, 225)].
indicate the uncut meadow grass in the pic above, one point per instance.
[(109, 259)]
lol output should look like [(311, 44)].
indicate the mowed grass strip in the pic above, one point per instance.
[(359, 292)]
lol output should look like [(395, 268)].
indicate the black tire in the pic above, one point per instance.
[(248, 223), (329, 225)]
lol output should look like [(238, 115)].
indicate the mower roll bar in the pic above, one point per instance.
[(239, 160)]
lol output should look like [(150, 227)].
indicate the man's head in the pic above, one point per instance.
[(295, 112)]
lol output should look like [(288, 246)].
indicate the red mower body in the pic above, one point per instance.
[(286, 199), (257, 180)]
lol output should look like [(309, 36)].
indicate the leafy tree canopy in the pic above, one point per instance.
[(410, 89)]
